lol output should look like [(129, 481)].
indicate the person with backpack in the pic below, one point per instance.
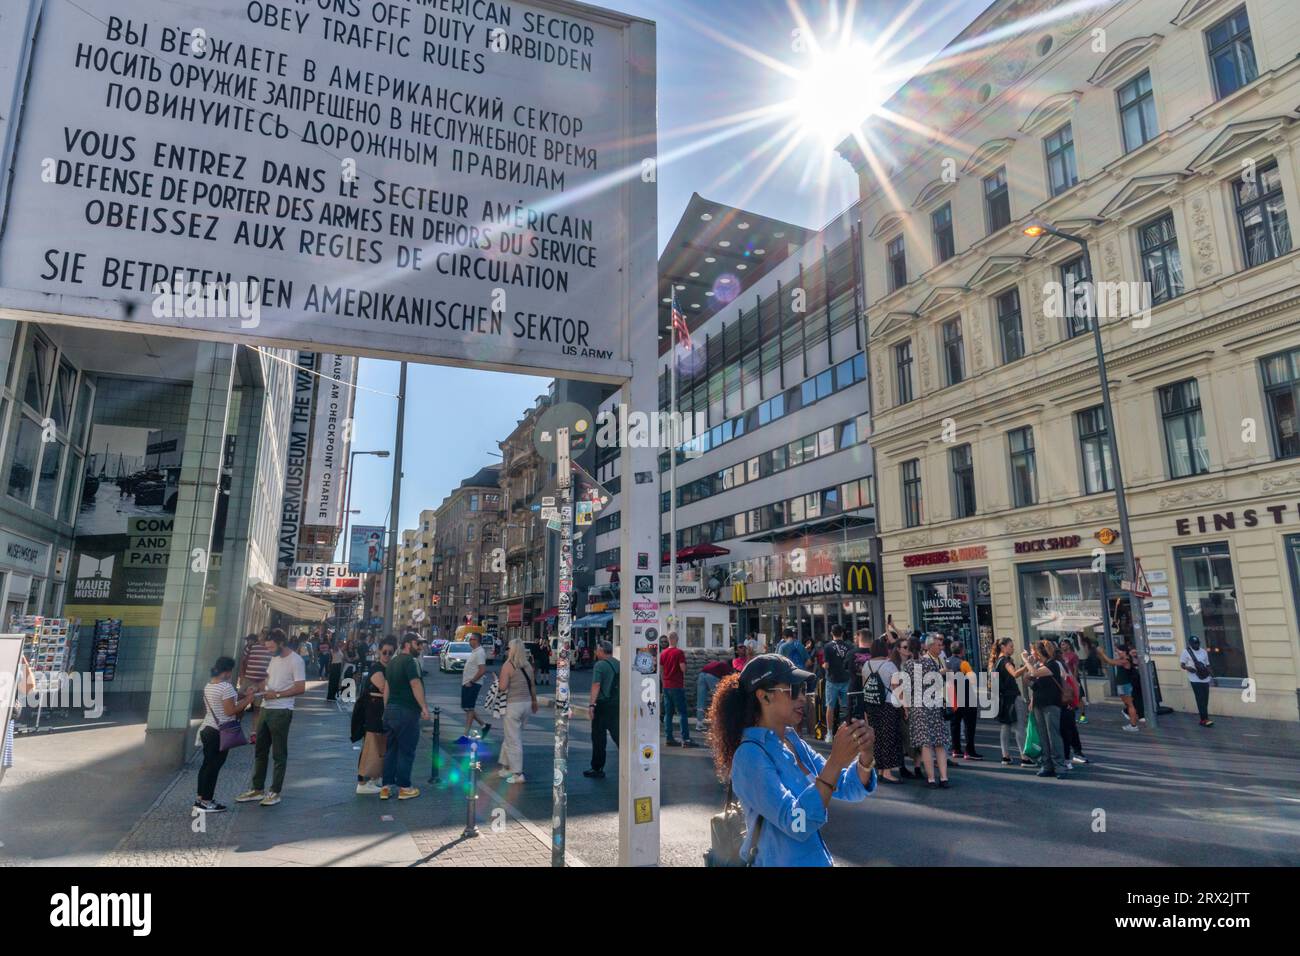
[(879, 682), (603, 708), (964, 712), (785, 788), (1197, 664), (838, 657), (1071, 701), (1048, 675)]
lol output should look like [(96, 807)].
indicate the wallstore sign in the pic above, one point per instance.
[(1232, 520), (975, 552), (1049, 544)]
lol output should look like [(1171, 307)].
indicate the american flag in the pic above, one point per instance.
[(680, 326)]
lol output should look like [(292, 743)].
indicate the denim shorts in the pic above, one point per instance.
[(1125, 690)]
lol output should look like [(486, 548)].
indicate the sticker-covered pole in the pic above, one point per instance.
[(563, 705)]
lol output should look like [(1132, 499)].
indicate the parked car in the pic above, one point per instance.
[(436, 645), (453, 656)]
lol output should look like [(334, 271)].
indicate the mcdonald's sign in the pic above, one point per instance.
[(738, 592), (859, 577)]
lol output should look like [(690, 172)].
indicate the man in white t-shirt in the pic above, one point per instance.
[(471, 683), (286, 678), (1192, 656)]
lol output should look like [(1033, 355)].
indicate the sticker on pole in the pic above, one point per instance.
[(643, 809)]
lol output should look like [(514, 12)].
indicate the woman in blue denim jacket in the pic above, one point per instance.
[(777, 776)]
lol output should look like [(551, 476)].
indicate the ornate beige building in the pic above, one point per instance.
[(1164, 133)]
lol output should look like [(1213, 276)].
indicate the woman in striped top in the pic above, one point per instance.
[(220, 704), (26, 682)]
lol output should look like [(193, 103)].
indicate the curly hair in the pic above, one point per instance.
[(730, 713)]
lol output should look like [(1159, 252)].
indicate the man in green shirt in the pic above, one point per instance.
[(404, 705), (604, 707)]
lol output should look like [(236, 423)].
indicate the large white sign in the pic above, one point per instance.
[(450, 178), (295, 472), (331, 439)]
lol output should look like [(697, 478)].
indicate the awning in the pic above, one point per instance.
[(552, 613), (295, 604), (593, 620)]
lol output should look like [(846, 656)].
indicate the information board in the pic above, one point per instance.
[(450, 179)]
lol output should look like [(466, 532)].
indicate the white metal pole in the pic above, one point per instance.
[(563, 706), (672, 479)]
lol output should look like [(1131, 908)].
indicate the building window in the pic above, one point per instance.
[(963, 481), (1094, 446), (903, 371), (997, 201), (941, 225), (1232, 54), (1010, 333), (911, 471), (954, 363), (473, 502), (1077, 304), (1282, 395), (1161, 265), (1061, 172), (1180, 409), (1207, 591), (1261, 215), (469, 532), (897, 257), (1137, 111), (1024, 468)]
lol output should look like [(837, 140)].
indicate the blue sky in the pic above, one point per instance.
[(456, 416)]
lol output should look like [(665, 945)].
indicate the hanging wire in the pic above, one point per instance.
[(271, 355)]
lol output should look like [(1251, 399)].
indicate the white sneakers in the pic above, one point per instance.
[(516, 778), (369, 788), (1131, 728)]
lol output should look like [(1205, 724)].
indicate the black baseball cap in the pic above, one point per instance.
[(769, 670)]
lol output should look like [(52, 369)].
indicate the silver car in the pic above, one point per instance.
[(453, 656)]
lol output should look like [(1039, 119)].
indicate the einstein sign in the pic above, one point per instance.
[(448, 179)]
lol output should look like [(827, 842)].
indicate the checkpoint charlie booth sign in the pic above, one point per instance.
[(451, 181)]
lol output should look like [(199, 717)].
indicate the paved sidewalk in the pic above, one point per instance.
[(321, 820)]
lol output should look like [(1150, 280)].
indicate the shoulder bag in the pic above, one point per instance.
[(727, 832), (231, 731)]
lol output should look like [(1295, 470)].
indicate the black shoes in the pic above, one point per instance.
[(594, 774)]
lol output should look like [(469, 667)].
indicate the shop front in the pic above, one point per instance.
[(811, 603), (1071, 598), (959, 607)]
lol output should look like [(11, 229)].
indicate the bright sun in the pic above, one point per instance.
[(837, 92)]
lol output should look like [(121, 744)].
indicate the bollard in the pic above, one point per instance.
[(471, 800), (433, 753)]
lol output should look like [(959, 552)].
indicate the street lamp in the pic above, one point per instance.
[(1035, 228), (347, 505)]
